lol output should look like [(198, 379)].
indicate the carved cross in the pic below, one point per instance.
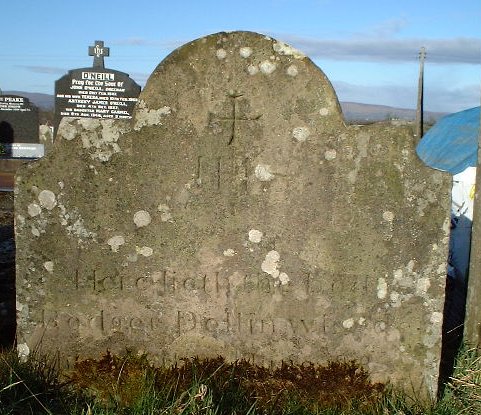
[(98, 51), (234, 117)]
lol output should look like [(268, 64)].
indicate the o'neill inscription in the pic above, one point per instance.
[(95, 92)]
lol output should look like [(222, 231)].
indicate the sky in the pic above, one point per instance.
[(368, 49)]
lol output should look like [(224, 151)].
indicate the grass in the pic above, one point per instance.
[(130, 385)]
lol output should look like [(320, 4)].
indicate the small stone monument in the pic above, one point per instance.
[(19, 134), (95, 92), (235, 215)]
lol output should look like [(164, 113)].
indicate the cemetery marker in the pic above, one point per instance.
[(98, 51), (302, 239)]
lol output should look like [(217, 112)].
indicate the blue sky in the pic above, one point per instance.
[(368, 49)]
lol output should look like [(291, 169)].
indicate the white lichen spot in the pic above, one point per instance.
[(330, 154), (48, 265), (221, 54), (252, 70), (300, 133), (47, 199), (348, 324), (263, 172), (20, 220), (284, 49), (398, 274), (284, 278), (35, 231), (447, 226), (255, 236), (267, 67), (229, 252), (23, 352), (165, 214), (422, 286), (146, 117), (395, 298), (436, 318), (270, 264), (245, 51), (388, 216), (361, 321), (145, 251), (115, 242), (132, 257), (142, 218), (292, 70), (61, 185), (34, 209), (324, 111), (381, 288)]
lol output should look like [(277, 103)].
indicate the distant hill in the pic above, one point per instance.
[(353, 111), (45, 102), (362, 113)]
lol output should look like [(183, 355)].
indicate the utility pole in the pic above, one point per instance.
[(419, 109)]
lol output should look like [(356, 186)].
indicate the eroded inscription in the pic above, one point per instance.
[(219, 284), (148, 323)]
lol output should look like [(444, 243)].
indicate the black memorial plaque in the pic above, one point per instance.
[(95, 92), (18, 120)]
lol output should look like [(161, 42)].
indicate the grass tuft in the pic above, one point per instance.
[(117, 385)]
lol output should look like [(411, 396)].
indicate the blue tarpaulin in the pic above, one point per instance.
[(452, 143)]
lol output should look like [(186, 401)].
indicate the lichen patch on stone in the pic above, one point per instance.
[(284, 49), (252, 70), (145, 117), (255, 236), (145, 251), (292, 70), (47, 199), (267, 67), (381, 288), (330, 154), (388, 216), (165, 214), (34, 209), (142, 218), (348, 323), (301, 133), (270, 266), (263, 172), (48, 265), (221, 54), (245, 51), (115, 242)]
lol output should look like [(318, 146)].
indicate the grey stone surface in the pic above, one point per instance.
[(235, 215)]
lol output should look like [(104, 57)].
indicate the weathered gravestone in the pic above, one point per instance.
[(19, 137), (95, 92), (235, 215)]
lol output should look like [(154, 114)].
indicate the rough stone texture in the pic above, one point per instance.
[(280, 235)]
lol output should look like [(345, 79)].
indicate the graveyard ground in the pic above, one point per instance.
[(129, 385)]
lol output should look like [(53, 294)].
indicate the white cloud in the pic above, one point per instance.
[(44, 69), (381, 49)]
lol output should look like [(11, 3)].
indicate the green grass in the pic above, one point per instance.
[(130, 385)]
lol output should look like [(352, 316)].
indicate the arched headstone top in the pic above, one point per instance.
[(258, 68)]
